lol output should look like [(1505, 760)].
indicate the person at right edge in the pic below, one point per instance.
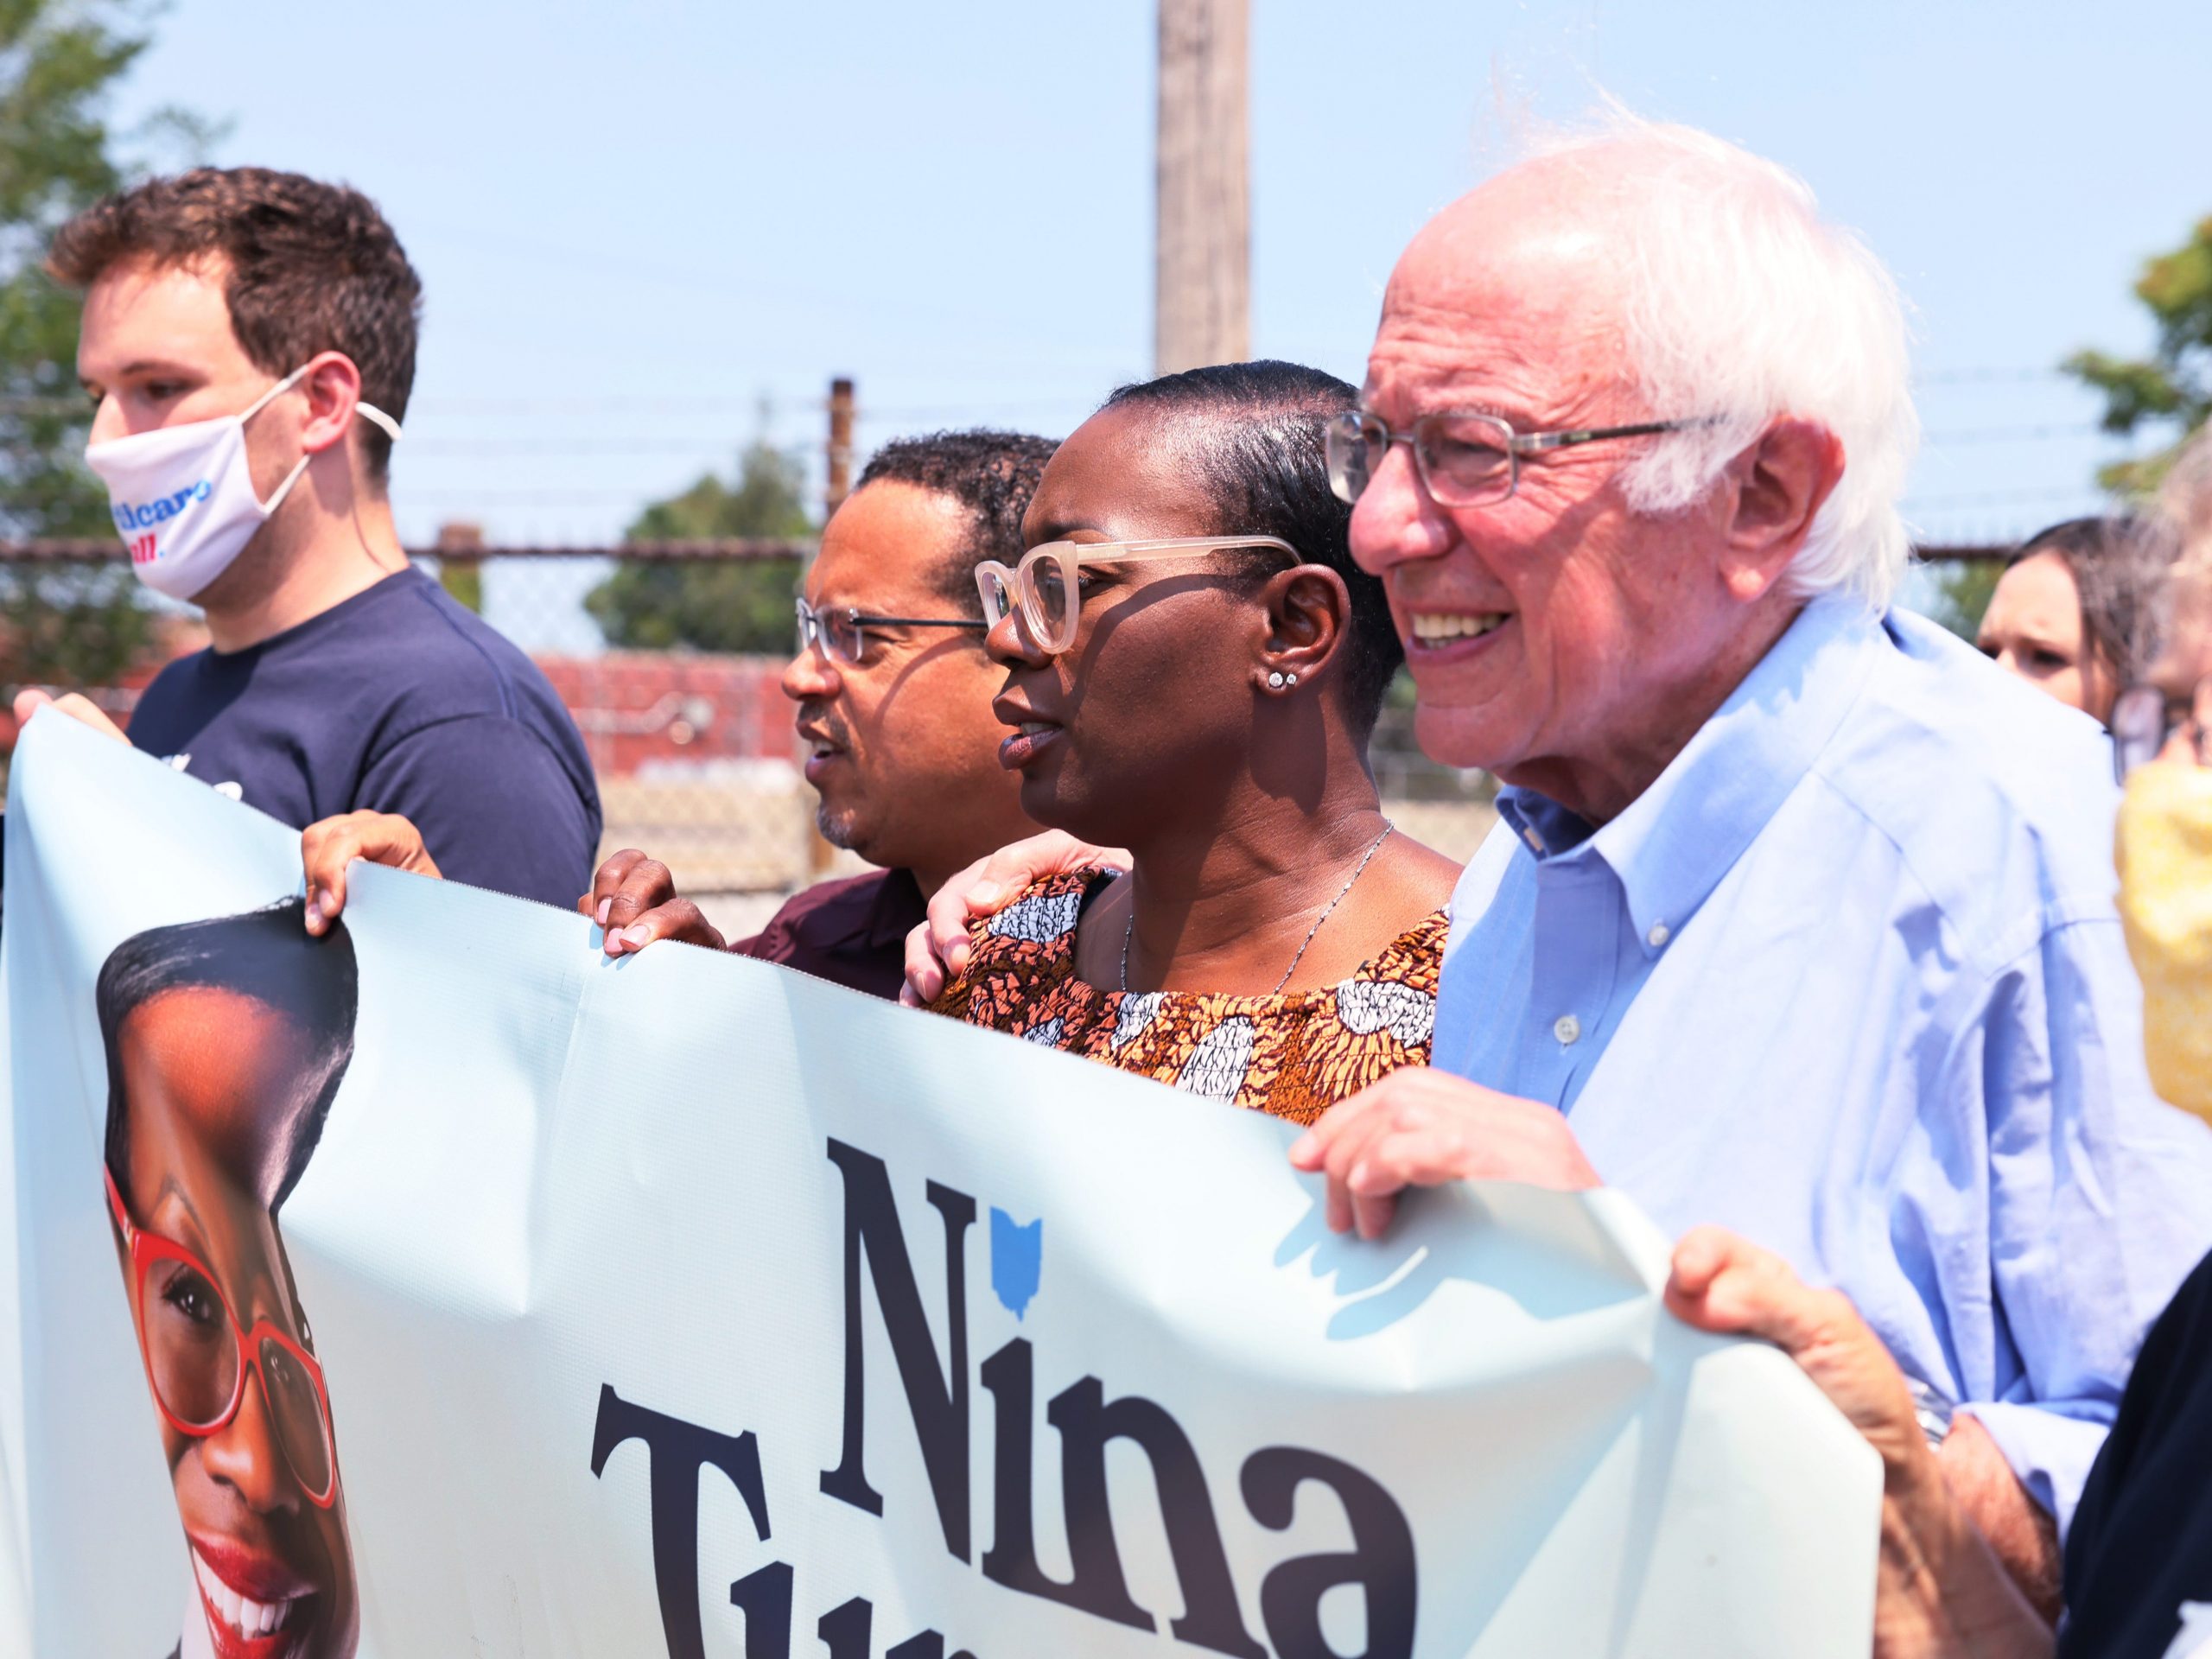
[(249, 338), (2138, 1556)]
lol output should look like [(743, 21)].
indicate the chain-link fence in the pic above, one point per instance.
[(696, 758)]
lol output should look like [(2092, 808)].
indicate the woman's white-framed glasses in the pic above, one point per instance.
[(1466, 457), (1045, 591), (842, 631)]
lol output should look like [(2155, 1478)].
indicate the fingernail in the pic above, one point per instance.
[(1302, 1148), (1357, 1178), (637, 934), (605, 905), (984, 893), (314, 912)]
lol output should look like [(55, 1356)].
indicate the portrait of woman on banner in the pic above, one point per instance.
[(227, 1040)]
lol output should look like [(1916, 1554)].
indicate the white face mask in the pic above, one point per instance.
[(183, 495)]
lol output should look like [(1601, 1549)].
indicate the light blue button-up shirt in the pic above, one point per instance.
[(1847, 978)]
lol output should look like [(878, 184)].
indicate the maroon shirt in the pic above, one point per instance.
[(850, 932)]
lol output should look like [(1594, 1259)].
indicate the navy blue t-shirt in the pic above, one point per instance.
[(397, 700)]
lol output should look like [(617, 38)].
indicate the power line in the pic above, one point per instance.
[(2001, 498), (814, 404), (721, 283), (692, 443), (405, 493), (1987, 377), (2023, 434)]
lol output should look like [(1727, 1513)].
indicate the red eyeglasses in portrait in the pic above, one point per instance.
[(197, 1355)]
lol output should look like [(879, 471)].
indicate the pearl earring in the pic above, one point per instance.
[(1275, 681), (1292, 677)]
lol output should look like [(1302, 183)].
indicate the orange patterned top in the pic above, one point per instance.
[(1293, 1055)]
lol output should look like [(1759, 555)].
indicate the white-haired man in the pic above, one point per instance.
[(1799, 917)]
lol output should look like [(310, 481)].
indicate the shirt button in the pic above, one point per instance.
[(1659, 935), (1566, 1028)]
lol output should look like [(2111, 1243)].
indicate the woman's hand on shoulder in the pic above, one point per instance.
[(328, 847), (633, 900), (936, 951)]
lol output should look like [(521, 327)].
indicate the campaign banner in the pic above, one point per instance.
[(443, 1287)]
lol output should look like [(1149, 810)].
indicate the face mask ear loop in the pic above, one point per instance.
[(269, 507), (374, 415), (262, 402)]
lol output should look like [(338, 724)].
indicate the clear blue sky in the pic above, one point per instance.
[(635, 223)]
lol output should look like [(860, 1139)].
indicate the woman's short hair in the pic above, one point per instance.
[(265, 955), (2119, 564), (1255, 436)]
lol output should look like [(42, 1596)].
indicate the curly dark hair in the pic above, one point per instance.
[(992, 475), (307, 267), (1259, 452)]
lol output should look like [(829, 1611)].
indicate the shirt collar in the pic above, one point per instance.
[(1675, 841), (900, 908)]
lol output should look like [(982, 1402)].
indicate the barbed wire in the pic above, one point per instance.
[(779, 406), (649, 446), (1987, 376), (690, 443), (2084, 492)]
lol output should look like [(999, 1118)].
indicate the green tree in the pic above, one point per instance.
[(2174, 383), (59, 60), (712, 605)]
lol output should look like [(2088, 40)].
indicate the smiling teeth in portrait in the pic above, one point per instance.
[(245, 1615), (1430, 628)]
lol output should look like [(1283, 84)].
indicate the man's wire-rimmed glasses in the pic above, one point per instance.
[(1045, 589), (2146, 718), (198, 1354), (842, 631), (1466, 457)]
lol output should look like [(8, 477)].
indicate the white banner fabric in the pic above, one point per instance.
[(681, 1303)]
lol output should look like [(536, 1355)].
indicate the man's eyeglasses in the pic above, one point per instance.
[(1045, 589), (1464, 457), (198, 1356), (2146, 719), (843, 632)]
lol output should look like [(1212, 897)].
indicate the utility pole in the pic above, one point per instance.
[(1202, 255), (840, 470)]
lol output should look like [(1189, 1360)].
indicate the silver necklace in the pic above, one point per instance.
[(1373, 846)]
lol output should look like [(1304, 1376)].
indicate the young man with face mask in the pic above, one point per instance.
[(249, 337)]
